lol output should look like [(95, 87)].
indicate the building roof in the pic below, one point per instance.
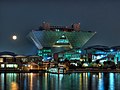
[(7, 53), (98, 47)]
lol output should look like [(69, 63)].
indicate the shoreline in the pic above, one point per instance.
[(96, 70), (69, 71)]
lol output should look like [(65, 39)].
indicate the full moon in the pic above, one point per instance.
[(14, 37)]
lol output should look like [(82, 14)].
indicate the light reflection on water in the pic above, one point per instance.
[(14, 86), (47, 81)]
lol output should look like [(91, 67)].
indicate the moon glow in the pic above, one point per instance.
[(14, 37)]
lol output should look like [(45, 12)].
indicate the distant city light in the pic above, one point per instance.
[(111, 50)]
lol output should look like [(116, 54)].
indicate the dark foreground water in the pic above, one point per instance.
[(47, 81)]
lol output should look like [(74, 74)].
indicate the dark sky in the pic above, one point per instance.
[(21, 16)]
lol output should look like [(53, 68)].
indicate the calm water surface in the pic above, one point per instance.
[(47, 81)]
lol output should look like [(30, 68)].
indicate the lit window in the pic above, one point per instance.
[(12, 65), (39, 51), (9, 65), (15, 65), (62, 42), (40, 54), (57, 30), (2, 65), (1, 59), (63, 36)]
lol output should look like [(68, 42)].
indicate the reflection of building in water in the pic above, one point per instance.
[(14, 86), (9, 81)]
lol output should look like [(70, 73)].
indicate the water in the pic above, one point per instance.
[(47, 81)]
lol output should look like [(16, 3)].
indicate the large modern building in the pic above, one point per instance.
[(60, 41)]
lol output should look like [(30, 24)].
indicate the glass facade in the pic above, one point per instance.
[(48, 38), (62, 42), (45, 53), (57, 40)]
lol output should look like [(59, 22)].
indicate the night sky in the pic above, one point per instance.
[(21, 16)]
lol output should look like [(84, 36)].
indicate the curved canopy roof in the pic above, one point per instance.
[(7, 53)]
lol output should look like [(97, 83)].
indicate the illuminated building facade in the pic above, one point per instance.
[(104, 53), (12, 61), (51, 41)]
